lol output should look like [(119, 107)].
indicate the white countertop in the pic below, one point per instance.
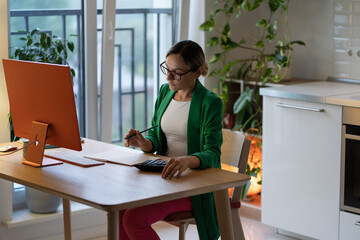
[(337, 93)]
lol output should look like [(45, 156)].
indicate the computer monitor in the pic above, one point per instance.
[(42, 106)]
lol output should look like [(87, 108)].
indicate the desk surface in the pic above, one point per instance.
[(112, 187)]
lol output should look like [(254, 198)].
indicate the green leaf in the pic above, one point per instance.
[(48, 41), (246, 6), (207, 26), (59, 47), (216, 57), (35, 31), (212, 42), (262, 23), (242, 41), (266, 74), (228, 66), (270, 37), (29, 42), (269, 58), (71, 46), (298, 42), (246, 72), (243, 100), (239, 73), (260, 64), (256, 4), (259, 44), (226, 30), (214, 73), (43, 40), (274, 25), (274, 5), (72, 72)]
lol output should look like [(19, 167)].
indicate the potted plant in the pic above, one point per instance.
[(258, 60), (40, 46)]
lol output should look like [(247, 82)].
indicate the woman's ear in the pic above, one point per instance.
[(198, 72)]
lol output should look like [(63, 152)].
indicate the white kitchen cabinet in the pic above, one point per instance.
[(301, 167), (349, 226)]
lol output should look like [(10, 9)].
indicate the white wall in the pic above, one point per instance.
[(310, 21)]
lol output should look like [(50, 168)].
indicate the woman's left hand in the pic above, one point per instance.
[(176, 166)]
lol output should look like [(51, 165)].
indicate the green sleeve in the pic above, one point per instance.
[(211, 134)]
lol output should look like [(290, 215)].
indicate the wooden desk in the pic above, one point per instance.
[(113, 187)]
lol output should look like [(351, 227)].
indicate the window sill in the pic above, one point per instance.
[(23, 217)]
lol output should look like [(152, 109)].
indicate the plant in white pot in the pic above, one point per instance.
[(40, 46)]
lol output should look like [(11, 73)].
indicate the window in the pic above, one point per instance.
[(62, 22), (144, 31), (59, 18)]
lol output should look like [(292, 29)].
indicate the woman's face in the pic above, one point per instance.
[(176, 67)]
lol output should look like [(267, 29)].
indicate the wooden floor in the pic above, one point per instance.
[(250, 218), (253, 229)]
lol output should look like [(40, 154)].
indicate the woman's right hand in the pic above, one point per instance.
[(137, 141)]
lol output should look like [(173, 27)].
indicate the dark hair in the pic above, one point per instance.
[(192, 54)]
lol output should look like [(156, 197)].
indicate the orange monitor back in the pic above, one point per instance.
[(42, 106)]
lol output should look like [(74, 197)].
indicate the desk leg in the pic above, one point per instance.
[(67, 219), (223, 212), (113, 225)]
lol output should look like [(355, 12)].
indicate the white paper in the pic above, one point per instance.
[(126, 157)]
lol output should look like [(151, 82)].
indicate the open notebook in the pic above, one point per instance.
[(124, 156)]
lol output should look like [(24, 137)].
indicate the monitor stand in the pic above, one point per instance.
[(35, 152)]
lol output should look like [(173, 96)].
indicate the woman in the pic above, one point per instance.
[(190, 122)]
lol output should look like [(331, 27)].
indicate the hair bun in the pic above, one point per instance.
[(205, 69)]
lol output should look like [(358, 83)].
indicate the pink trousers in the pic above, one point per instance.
[(135, 223)]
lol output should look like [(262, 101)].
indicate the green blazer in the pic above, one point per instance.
[(204, 139)]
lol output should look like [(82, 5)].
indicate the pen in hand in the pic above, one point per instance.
[(145, 130)]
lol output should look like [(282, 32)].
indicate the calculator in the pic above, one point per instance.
[(151, 165)]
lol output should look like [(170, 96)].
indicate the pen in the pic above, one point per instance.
[(145, 130)]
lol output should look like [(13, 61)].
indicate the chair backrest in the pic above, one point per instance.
[(235, 152)]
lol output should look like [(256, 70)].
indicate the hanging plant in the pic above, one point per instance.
[(269, 47)]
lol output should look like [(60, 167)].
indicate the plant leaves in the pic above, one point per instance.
[(216, 57), (262, 23), (214, 73), (72, 72), (243, 100), (35, 31), (246, 6), (229, 65), (212, 42), (298, 42), (207, 26), (259, 44), (71, 46), (239, 73), (256, 4)]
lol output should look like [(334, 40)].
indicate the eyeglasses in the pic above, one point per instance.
[(174, 75)]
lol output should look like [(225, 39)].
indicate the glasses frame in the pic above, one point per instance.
[(173, 74)]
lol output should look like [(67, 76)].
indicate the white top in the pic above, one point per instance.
[(174, 124)]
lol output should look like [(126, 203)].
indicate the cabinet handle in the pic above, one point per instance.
[(357, 223), (300, 107)]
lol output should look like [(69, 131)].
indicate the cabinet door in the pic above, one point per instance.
[(349, 226), (301, 167)]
